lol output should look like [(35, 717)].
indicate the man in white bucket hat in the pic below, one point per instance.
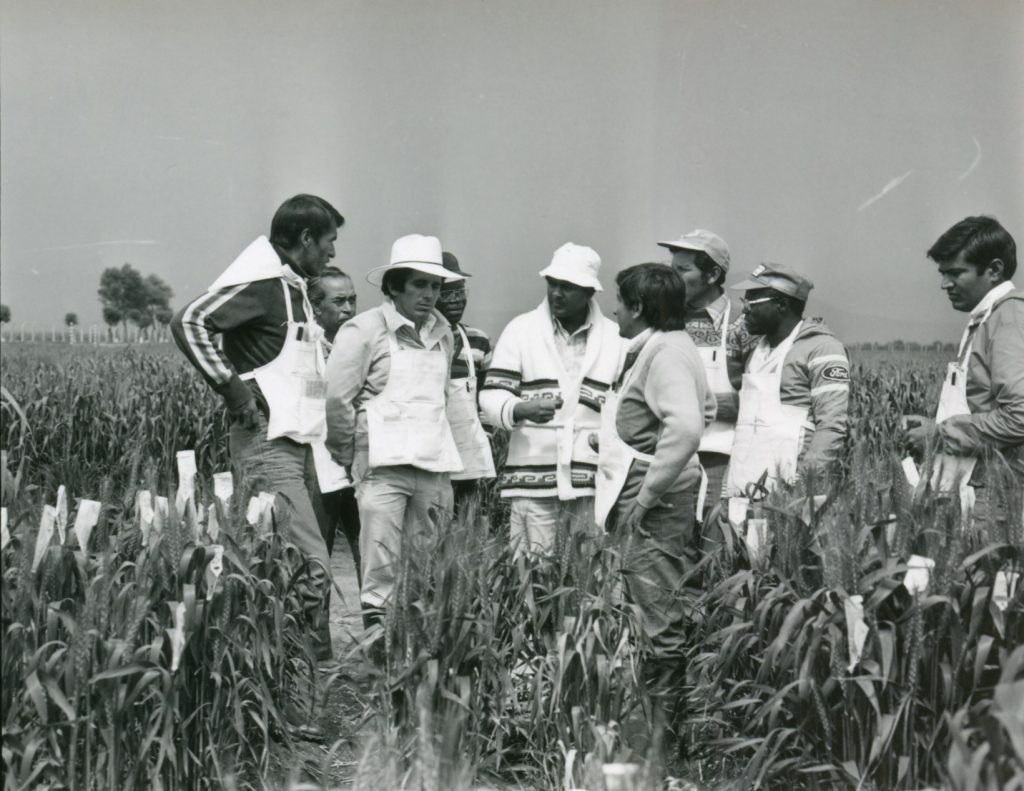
[(387, 378), (546, 384)]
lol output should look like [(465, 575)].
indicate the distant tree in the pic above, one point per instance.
[(70, 319), (5, 314), (128, 296)]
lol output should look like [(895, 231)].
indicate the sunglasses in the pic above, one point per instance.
[(748, 302)]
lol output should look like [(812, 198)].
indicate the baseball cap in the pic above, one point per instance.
[(705, 242), (778, 278)]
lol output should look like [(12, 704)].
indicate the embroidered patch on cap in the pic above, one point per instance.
[(760, 268), (836, 373)]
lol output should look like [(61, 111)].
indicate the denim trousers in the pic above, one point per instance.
[(285, 469)]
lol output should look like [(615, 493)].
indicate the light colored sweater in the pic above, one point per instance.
[(663, 408)]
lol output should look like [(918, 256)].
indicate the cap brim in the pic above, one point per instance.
[(677, 245), (375, 276), (749, 285)]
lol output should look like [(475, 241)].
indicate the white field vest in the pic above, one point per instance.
[(615, 457), (953, 473), (464, 418), (769, 433), (406, 422), (718, 436), (293, 382)]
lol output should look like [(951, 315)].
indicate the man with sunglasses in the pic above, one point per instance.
[(796, 387), (471, 356)]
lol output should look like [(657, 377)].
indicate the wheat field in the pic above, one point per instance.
[(160, 647)]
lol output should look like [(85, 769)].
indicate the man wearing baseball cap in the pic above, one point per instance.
[(387, 381), (718, 330), (546, 384), (796, 386)]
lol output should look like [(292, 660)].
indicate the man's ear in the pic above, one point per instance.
[(638, 311), (306, 238), (712, 275), (996, 270)]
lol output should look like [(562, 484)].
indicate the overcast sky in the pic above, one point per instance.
[(837, 137)]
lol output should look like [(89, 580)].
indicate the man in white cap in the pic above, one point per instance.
[(717, 328), (546, 384), (269, 370), (387, 380)]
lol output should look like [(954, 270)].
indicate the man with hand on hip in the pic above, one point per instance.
[(716, 326), (270, 369), (387, 388), (981, 407), (546, 384)]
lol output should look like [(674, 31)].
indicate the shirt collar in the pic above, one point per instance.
[(990, 299), (583, 327), (394, 320)]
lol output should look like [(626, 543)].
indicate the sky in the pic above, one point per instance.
[(839, 137)]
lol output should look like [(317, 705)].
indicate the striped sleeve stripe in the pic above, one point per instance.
[(829, 389), (830, 358), (200, 341)]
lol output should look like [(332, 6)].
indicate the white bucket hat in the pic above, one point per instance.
[(422, 253), (575, 264)]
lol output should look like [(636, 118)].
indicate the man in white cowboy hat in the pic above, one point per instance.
[(546, 384), (387, 380), (717, 328), (269, 370), (470, 359)]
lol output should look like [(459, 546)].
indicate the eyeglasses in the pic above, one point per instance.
[(748, 302)]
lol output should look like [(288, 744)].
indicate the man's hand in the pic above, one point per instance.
[(917, 429), (633, 519), (247, 416), (537, 410)]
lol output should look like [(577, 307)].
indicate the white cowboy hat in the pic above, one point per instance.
[(422, 253), (575, 264)]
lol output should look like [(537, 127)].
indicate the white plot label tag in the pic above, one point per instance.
[(46, 525), (214, 568), (223, 486), (186, 478), (911, 472), (62, 513), (1005, 588), (856, 629), (177, 632), (918, 573), (144, 508), (5, 536), (85, 520)]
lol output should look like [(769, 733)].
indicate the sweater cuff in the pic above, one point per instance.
[(507, 410), (235, 393)]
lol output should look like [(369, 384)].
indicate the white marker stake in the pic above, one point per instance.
[(62, 514), (161, 511), (757, 539), (856, 629), (144, 509), (186, 478), (214, 569), (46, 523), (223, 487), (918, 573), (911, 472), (1005, 588), (267, 514), (5, 536), (85, 520), (738, 511), (212, 525), (177, 633)]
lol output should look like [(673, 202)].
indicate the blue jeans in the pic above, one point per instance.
[(285, 469)]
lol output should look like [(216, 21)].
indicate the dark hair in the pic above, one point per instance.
[(315, 291), (394, 280), (300, 213), (981, 240), (659, 291), (705, 263)]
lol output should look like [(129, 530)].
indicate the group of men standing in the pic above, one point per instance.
[(643, 423)]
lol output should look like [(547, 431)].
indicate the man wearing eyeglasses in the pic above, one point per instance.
[(720, 334), (796, 387), (471, 356)]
